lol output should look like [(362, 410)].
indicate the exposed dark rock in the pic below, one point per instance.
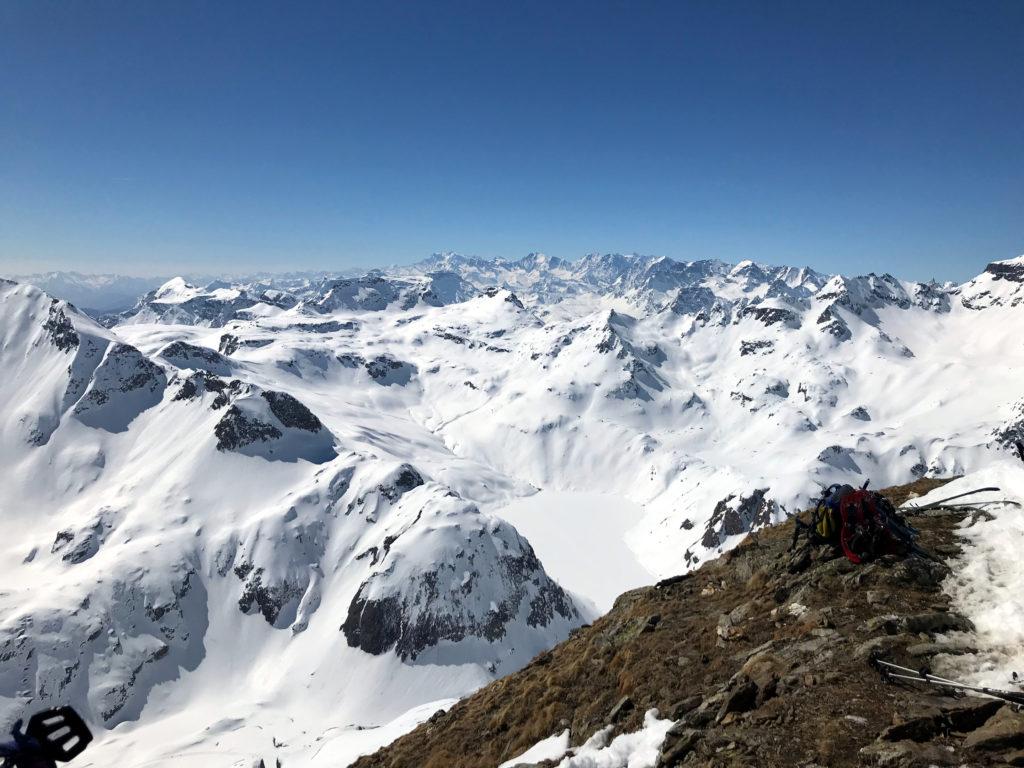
[(290, 412), (185, 355), (236, 430), (60, 328), (759, 347), (733, 515), (679, 743), (692, 300), (1005, 730), (385, 370), (412, 618), (860, 413), (449, 335), (510, 297), (268, 599), (1010, 271), (933, 623), (331, 326), (831, 323), (123, 371), (230, 343), (78, 546), (771, 315), (198, 383)]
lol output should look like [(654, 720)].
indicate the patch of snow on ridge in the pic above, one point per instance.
[(987, 584), (639, 749), (551, 748)]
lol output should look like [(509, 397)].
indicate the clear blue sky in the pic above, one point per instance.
[(155, 137)]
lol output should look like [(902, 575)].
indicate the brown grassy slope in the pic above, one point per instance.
[(674, 646)]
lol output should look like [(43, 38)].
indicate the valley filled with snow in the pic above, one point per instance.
[(290, 518)]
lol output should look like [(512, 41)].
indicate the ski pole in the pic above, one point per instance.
[(924, 677), (920, 673)]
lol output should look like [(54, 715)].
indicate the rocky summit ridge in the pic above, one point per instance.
[(760, 658)]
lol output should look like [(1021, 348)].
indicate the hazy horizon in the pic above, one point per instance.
[(239, 271)]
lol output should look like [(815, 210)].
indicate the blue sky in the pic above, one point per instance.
[(150, 137)]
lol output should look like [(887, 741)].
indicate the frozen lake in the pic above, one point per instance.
[(581, 540)]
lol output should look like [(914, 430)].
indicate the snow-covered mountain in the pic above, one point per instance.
[(254, 519)]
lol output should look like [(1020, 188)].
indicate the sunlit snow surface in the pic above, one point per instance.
[(987, 584), (581, 538)]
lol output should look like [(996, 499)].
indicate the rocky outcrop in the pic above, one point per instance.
[(270, 424), (770, 316), (230, 344), (1011, 271), (485, 588), (269, 599), (734, 515), (60, 328), (290, 412), (832, 323), (760, 658), (236, 430), (376, 292), (1010, 434), (135, 631), (123, 385), (184, 355), (395, 484), (756, 347), (386, 370)]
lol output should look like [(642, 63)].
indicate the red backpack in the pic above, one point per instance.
[(867, 526)]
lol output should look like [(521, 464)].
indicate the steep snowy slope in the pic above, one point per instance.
[(293, 492), (168, 533)]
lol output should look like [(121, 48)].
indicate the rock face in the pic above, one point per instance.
[(488, 583), (185, 355), (757, 662), (178, 302), (268, 423), (772, 316), (290, 412), (385, 370), (734, 515), (237, 430), (125, 384), (60, 328), (1012, 271)]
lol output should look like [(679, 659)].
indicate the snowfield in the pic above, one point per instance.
[(987, 584), (293, 518)]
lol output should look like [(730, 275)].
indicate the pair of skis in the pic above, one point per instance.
[(940, 504), (891, 672)]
